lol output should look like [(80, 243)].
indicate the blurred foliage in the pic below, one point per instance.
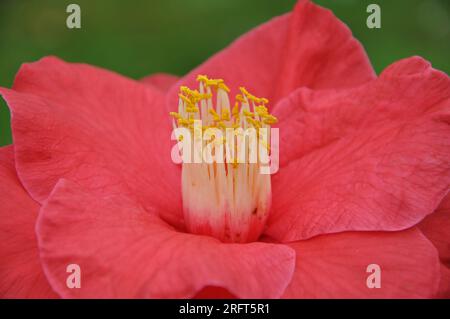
[(139, 37)]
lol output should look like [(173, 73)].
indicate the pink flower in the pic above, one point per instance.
[(364, 169)]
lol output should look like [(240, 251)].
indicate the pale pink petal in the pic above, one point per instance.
[(126, 252), (95, 127), (21, 274), (308, 47), (336, 266), (371, 158), (161, 81)]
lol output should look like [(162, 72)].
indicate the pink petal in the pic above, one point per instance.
[(106, 132), (437, 229), (308, 47), (371, 158), (444, 284), (161, 81), (335, 266), (21, 275), (211, 292), (126, 252)]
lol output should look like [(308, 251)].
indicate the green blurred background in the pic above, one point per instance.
[(137, 38)]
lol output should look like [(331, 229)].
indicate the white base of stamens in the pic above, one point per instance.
[(228, 202)]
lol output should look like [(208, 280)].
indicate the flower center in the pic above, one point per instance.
[(226, 188)]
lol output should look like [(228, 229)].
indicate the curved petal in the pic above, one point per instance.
[(308, 47), (21, 274), (337, 266), (437, 229), (161, 81), (212, 292), (125, 252), (95, 127), (371, 158), (444, 284)]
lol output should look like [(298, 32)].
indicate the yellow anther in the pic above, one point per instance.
[(182, 122), (184, 89), (198, 96), (270, 119), (247, 113), (185, 98), (205, 96), (188, 92), (214, 82), (247, 94), (240, 98), (223, 86), (243, 90), (253, 122), (253, 98), (219, 83), (225, 115), (192, 96), (235, 110), (175, 115), (192, 109), (261, 110), (216, 116), (202, 78)]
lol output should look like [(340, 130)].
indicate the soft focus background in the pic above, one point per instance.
[(139, 37)]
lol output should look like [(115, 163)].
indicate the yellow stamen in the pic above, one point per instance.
[(225, 115), (214, 114), (235, 110), (222, 86), (175, 115), (247, 113), (240, 98), (192, 109), (228, 118), (251, 97)]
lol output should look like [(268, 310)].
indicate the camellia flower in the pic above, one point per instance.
[(363, 176)]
